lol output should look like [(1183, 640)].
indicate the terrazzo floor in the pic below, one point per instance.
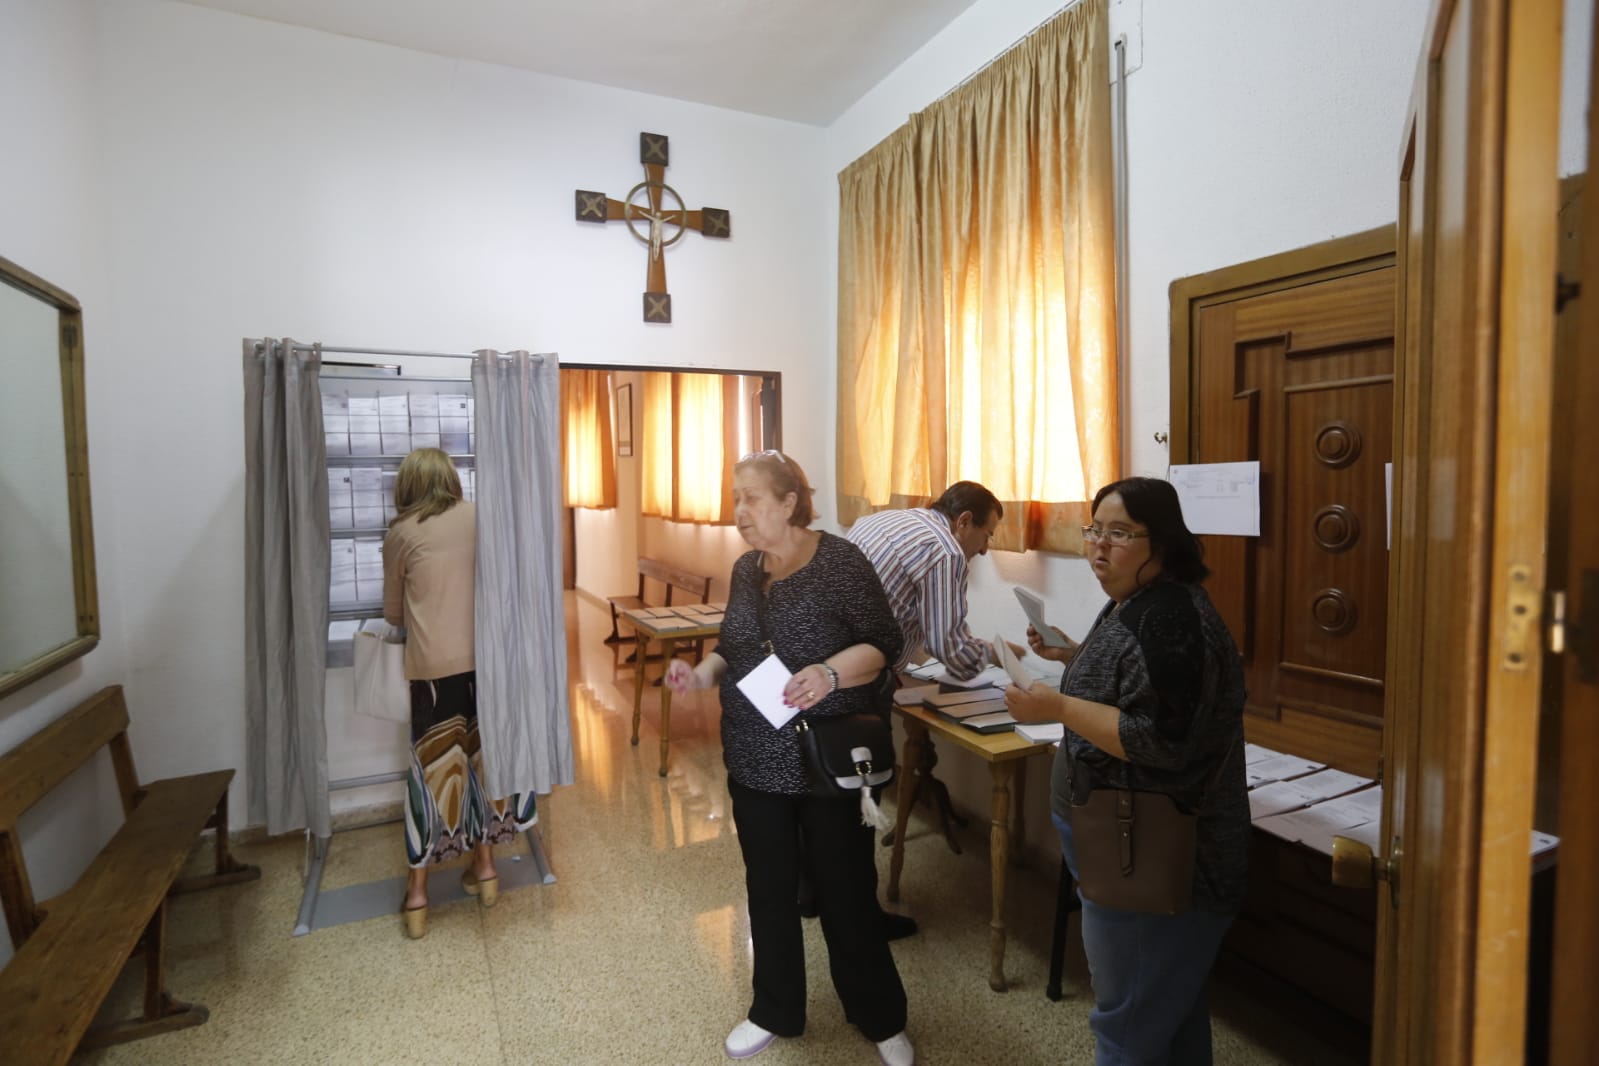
[(638, 954)]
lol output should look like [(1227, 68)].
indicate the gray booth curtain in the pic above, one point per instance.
[(286, 561), (520, 622)]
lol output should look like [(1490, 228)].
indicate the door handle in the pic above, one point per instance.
[(1354, 865)]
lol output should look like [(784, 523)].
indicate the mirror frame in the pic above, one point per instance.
[(80, 513)]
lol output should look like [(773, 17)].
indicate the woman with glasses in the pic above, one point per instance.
[(813, 600), (1152, 701)]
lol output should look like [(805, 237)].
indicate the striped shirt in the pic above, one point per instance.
[(923, 570)]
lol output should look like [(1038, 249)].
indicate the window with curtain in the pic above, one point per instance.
[(589, 459), (977, 319), (695, 428)]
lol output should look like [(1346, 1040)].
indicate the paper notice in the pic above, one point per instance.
[(1219, 498)]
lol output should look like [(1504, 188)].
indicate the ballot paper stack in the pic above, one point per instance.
[(1303, 801)]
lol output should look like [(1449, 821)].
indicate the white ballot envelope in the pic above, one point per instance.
[(1012, 665), (1033, 605), (763, 686)]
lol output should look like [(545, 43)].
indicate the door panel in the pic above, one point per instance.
[(1298, 375), (1478, 210), (1573, 1023)]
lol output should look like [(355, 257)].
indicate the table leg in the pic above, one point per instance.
[(638, 696), (910, 781), (668, 648), (1018, 832), (929, 785), (999, 857)]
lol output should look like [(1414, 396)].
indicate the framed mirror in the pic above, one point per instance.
[(49, 607)]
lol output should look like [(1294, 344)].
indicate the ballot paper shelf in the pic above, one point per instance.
[(358, 613), (1300, 941), (371, 424)]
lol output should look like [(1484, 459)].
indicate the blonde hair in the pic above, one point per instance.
[(426, 485), (783, 475)]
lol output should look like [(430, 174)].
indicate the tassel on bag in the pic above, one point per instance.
[(871, 814)]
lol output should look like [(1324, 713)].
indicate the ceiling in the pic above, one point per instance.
[(803, 60)]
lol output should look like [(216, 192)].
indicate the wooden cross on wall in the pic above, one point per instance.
[(662, 227)]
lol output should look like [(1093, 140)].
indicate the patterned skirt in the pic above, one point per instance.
[(447, 813)]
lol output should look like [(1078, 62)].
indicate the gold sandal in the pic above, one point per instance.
[(487, 891), (416, 921)]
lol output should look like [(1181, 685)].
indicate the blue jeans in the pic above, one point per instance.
[(1149, 973)]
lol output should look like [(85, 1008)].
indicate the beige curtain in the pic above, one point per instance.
[(689, 446), (977, 320), (589, 463)]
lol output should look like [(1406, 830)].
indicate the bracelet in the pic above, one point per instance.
[(831, 673)]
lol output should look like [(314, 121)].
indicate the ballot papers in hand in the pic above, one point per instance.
[(988, 677), (1033, 605), (1041, 732), (1012, 666), (763, 686)]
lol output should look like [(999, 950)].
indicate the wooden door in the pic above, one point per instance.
[(1573, 1022), (1289, 361), (1478, 205)]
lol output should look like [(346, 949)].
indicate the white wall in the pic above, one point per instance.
[(50, 223), (1576, 59), (272, 180), (1254, 126), (607, 540)]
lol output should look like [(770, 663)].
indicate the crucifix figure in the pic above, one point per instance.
[(656, 225)]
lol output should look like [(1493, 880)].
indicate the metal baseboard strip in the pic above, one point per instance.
[(375, 899)]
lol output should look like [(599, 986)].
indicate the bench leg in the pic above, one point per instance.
[(229, 871), (162, 1013)]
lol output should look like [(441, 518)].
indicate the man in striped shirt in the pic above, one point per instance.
[(922, 556)]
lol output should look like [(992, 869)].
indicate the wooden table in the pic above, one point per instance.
[(669, 630), (1006, 754)]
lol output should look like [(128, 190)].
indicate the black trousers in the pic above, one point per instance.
[(839, 860)]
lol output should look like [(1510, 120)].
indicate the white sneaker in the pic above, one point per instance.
[(896, 1051), (748, 1039)]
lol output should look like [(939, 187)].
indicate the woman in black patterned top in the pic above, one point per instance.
[(1152, 701), (818, 601)]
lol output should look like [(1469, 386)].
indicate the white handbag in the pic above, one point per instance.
[(381, 690)]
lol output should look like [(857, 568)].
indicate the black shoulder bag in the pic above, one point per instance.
[(845, 754)]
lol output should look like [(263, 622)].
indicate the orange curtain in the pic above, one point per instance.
[(688, 447), (977, 318), (590, 455)]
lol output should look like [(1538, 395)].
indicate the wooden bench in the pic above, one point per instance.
[(670, 577), (71, 949)]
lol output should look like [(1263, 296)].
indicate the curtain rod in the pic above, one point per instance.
[(1002, 52), (382, 351), (325, 349)]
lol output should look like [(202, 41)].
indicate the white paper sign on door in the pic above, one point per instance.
[(1219, 498)]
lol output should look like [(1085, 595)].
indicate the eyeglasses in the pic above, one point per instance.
[(1116, 538), (770, 452)]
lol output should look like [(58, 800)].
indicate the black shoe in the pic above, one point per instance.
[(898, 926)]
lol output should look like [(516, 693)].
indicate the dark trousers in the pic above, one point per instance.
[(839, 860)]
